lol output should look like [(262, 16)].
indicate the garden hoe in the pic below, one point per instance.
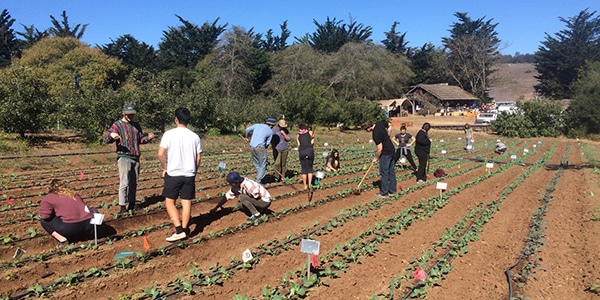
[(357, 190)]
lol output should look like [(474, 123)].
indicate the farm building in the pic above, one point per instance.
[(451, 98)]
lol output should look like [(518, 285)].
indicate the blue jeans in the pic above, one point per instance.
[(259, 158), (387, 174)]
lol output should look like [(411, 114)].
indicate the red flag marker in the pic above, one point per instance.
[(496, 197), (314, 260), (419, 274), (146, 243), (81, 175), (399, 188), (9, 201)]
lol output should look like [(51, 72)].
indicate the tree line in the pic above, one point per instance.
[(230, 76)]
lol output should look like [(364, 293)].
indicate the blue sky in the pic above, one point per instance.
[(522, 24)]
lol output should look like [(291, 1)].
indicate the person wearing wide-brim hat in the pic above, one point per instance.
[(279, 143), (254, 198), (260, 141)]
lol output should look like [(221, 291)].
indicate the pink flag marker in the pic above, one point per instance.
[(314, 260), (9, 201), (496, 197), (81, 175), (419, 274)]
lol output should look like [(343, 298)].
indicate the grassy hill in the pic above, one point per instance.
[(514, 82)]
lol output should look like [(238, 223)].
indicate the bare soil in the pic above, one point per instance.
[(568, 260)]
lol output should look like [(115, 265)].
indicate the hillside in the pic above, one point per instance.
[(514, 82)]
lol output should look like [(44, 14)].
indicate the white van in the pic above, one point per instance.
[(509, 107)]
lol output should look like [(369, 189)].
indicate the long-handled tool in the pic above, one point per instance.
[(357, 190)]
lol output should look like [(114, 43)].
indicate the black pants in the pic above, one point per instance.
[(72, 231), (406, 152), (423, 160)]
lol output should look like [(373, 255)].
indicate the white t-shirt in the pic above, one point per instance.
[(182, 146)]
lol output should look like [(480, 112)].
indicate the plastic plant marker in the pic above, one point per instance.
[(246, 255), (314, 260), (420, 274), (316, 182), (81, 175), (591, 194), (9, 201), (459, 166), (146, 243), (496, 197), (124, 254), (399, 187), (363, 146)]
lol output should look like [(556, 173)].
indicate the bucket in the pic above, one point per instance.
[(320, 175)]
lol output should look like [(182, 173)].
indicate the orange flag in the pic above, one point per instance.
[(314, 260), (419, 274), (146, 243)]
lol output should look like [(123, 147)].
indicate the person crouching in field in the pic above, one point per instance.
[(332, 162), (254, 199), (500, 148), (64, 214)]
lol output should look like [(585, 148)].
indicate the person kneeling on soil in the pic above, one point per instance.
[(500, 148), (64, 215), (253, 197)]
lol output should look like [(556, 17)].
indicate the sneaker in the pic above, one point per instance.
[(253, 217), (381, 196), (420, 181), (176, 237)]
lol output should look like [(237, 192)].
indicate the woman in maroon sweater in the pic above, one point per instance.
[(63, 214)]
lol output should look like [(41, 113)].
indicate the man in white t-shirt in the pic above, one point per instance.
[(183, 152)]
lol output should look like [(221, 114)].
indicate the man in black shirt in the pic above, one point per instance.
[(385, 154), (422, 149)]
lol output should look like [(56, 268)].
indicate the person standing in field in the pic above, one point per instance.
[(469, 137), (64, 214), (279, 144), (422, 149), (128, 136), (179, 154), (385, 154), (306, 153), (404, 140), (261, 139)]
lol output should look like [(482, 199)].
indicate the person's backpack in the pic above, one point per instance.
[(439, 173)]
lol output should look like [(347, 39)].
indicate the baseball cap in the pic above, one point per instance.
[(271, 121), (233, 177), (128, 109)]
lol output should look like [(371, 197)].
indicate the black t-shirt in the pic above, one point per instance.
[(422, 142), (403, 140), (380, 135)]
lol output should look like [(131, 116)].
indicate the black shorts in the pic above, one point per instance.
[(179, 186)]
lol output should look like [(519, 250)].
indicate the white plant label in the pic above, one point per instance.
[(469, 147), (246, 255), (534, 145), (443, 151), (459, 138), (514, 156), (222, 165), (489, 165), (97, 219), (370, 141), (326, 144), (310, 246), (441, 141), (526, 150), (325, 154), (441, 185)]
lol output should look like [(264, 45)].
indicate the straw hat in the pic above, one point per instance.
[(282, 123)]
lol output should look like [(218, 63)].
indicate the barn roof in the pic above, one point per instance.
[(443, 92)]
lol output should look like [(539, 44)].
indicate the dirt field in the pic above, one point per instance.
[(529, 207)]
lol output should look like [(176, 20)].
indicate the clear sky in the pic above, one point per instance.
[(522, 24)]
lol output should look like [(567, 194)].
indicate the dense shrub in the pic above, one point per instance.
[(532, 119)]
